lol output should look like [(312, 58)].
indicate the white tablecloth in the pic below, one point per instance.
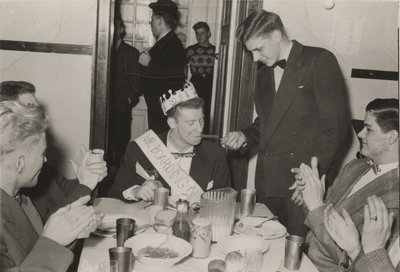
[(95, 249)]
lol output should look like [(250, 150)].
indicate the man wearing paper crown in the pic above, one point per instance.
[(178, 159)]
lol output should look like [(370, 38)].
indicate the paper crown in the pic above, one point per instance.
[(176, 97)]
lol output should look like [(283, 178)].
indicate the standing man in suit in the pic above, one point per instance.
[(205, 162), (124, 94), (300, 102), (163, 66)]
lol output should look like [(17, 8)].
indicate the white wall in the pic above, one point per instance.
[(362, 35), (63, 81)]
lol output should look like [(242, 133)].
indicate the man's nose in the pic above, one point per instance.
[(361, 134)]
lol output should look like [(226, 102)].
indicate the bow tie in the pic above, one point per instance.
[(183, 155), (20, 198), (374, 167), (281, 63)]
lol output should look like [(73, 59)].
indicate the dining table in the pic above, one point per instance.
[(95, 248)]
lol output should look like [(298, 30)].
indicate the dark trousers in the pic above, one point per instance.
[(289, 215), (119, 135)]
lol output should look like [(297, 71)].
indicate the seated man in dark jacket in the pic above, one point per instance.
[(204, 161), (26, 244)]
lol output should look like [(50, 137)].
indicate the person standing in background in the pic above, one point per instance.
[(162, 67), (300, 99), (124, 94), (201, 57)]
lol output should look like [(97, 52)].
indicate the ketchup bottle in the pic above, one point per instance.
[(181, 226)]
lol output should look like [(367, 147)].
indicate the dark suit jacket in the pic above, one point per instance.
[(125, 80), (322, 250), (209, 163), (22, 248), (306, 117), (164, 72), (54, 191)]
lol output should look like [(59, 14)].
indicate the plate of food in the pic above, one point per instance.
[(157, 250), (256, 226), (242, 243)]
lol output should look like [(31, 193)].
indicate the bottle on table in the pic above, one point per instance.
[(181, 226)]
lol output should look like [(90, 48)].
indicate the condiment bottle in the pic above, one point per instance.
[(181, 226)]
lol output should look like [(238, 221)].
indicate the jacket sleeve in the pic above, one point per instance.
[(330, 94), (222, 177), (252, 133), (126, 176), (375, 261), (45, 256)]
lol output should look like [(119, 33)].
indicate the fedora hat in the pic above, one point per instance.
[(164, 5)]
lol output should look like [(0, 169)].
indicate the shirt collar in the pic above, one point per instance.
[(285, 54)]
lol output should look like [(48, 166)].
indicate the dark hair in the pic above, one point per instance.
[(259, 23), (119, 25), (194, 103), (199, 25), (11, 90), (170, 19), (386, 112)]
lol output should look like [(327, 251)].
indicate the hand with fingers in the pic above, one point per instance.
[(66, 224), (234, 140), (377, 225), (146, 190), (92, 168), (314, 187), (299, 184), (343, 231)]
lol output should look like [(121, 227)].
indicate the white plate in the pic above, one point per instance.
[(242, 243), (268, 230), (143, 240)]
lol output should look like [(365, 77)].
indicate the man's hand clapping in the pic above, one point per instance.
[(69, 223), (92, 168)]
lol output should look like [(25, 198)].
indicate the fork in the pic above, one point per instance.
[(259, 225)]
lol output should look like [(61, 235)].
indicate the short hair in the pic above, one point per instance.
[(386, 112), (11, 90), (259, 23), (170, 19), (120, 25), (194, 103), (19, 122), (199, 25)]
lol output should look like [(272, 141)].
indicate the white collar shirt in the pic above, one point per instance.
[(278, 71)]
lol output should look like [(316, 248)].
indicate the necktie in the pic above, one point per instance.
[(281, 63), (374, 167), (183, 155)]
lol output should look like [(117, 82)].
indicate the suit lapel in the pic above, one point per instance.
[(199, 165), (292, 76)]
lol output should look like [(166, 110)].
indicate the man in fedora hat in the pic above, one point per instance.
[(162, 67)]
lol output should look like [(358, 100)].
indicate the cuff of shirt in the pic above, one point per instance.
[(127, 194)]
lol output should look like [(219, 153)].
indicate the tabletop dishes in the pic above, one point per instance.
[(242, 243), (268, 230), (108, 225), (157, 251)]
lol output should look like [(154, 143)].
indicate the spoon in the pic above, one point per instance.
[(259, 225)]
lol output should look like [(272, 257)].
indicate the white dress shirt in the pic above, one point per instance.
[(278, 71)]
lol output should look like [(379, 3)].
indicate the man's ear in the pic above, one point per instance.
[(171, 122), (20, 164), (209, 34), (276, 36), (393, 136)]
